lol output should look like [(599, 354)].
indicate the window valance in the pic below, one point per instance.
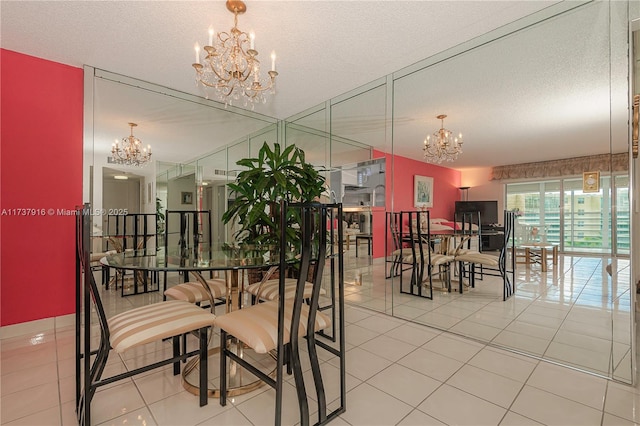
[(564, 167)]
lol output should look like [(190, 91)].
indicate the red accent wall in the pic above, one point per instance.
[(402, 169), (40, 168)]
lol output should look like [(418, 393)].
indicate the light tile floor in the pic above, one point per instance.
[(398, 372), (575, 313)]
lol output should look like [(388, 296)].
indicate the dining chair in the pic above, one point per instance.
[(401, 250), (267, 288), (195, 292), (492, 264), (428, 263), (468, 230), (276, 326), (97, 266), (127, 330)]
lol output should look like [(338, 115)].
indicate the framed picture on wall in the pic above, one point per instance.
[(422, 192), (187, 197), (591, 182)]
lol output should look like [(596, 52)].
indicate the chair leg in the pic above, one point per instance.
[(204, 367), (317, 377), (223, 368), (176, 353), (300, 388), (287, 359), (472, 276), (184, 345), (92, 376)]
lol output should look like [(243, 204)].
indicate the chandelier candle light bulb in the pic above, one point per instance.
[(230, 64)]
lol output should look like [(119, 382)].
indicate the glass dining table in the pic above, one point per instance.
[(195, 261)]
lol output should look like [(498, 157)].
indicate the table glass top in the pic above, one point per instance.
[(202, 257)]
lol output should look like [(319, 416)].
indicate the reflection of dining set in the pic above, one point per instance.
[(446, 253), (126, 233), (532, 246), (298, 301)]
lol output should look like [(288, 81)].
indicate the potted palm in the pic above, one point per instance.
[(275, 174)]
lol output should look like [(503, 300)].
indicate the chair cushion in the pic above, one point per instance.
[(269, 289), (156, 322), (257, 325), (440, 259), (436, 259), (95, 257), (406, 251), (476, 257), (194, 292)]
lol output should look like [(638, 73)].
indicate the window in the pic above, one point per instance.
[(593, 222)]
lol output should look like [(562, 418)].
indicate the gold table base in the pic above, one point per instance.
[(235, 387)]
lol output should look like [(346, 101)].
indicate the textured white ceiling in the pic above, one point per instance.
[(497, 96)]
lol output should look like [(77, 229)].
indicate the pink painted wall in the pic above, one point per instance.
[(40, 169), (399, 180)]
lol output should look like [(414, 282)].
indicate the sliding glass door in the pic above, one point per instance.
[(581, 222)]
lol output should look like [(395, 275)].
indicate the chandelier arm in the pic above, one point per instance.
[(245, 77), (230, 90), (262, 88), (226, 79)]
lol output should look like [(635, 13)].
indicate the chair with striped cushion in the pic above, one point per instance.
[(401, 249), (97, 266), (427, 263), (495, 264), (267, 288), (195, 292), (130, 329), (276, 326)]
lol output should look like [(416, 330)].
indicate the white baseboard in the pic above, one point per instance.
[(37, 326)]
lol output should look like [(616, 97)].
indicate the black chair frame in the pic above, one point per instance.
[(506, 264), (88, 373), (422, 253), (394, 233), (137, 229), (194, 230), (313, 257)]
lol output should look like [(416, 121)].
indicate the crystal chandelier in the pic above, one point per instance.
[(231, 66), (444, 146), (130, 151)]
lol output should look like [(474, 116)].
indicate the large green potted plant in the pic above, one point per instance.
[(275, 174)]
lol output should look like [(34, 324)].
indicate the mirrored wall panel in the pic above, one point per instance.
[(194, 143), (543, 114), (540, 109)]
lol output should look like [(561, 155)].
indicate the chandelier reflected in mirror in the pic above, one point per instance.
[(444, 146), (231, 65), (130, 151)]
